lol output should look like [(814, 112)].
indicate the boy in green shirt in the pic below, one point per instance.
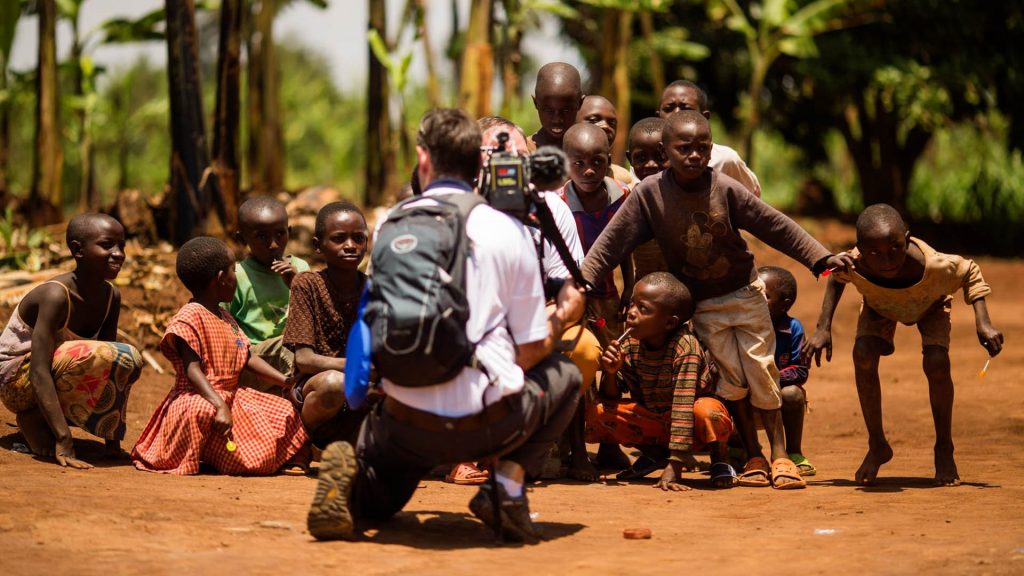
[(260, 304)]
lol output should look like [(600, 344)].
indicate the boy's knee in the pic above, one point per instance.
[(935, 360), (793, 396), (866, 352), (330, 389)]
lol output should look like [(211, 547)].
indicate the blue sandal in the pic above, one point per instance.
[(723, 475)]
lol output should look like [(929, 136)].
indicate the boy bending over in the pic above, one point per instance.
[(670, 381), (903, 280), (557, 96), (696, 214)]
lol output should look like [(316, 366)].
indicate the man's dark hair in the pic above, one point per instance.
[(83, 226), (651, 125), (453, 140), (199, 260), (878, 218), (676, 120), (787, 283), (320, 226), (702, 96), (254, 205), (677, 295)]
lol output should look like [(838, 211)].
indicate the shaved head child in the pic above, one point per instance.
[(903, 280), (59, 364), (600, 111), (260, 302), (672, 410), (207, 417), (696, 215), (685, 95), (557, 96)]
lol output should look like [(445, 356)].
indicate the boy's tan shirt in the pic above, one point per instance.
[(944, 274)]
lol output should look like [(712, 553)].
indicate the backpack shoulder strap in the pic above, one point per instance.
[(465, 202)]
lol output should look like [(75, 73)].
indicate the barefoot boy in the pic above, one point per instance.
[(696, 215), (903, 280), (600, 112), (780, 289), (671, 386), (59, 364), (260, 303), (322, 311), (557, 97), (685, 95)]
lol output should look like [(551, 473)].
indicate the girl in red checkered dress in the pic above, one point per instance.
[(207, 417)]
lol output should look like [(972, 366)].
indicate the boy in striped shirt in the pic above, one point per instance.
[(673, 410)]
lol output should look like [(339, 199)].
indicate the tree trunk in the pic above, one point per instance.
[(190, 183), (266, 139), (5, 135), (623, 100), (433, 90), (87, 194), (757, 76), (46, 201), (225, 131), (657, 66), (254, 102), (477, 62), (379, 151), (511, 59)]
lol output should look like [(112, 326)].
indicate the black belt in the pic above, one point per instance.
[(434, 423)]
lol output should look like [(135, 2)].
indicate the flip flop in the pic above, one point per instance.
[(466, 474), (641, 467), (756, 473), (723, 475), (805, 466), (785, 468)]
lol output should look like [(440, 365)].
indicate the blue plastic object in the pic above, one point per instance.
[(357, 357)]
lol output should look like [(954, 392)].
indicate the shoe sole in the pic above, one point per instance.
[(329, 517), (483, 509)]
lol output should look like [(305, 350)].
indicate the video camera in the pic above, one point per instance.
[(511, 183)]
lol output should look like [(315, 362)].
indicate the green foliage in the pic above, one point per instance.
[(20, 245)]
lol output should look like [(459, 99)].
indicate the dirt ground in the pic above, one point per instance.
[(114, 519)]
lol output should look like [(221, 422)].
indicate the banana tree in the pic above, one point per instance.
[(774, 28), (46, 199), (10, 12)]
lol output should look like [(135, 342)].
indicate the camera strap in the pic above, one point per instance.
[(549, 231)]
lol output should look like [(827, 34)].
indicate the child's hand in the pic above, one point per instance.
[(222, 421), (990, 338), (65, 454), (285, 269), (611, 358), (813, 346), (842, 262), (669, 481)]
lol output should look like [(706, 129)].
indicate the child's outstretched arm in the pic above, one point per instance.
[(822, 337), (309, 362), (194, 372), (265, 372), (989, 337)]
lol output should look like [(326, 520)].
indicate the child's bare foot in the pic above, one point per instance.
[(875, 458), (945, 467), (611, 457), (581, 469), (37, 432)]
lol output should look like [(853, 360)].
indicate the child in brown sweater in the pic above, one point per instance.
[(696, 214)]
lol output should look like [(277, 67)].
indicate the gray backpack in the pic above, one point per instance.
[(417, 309)]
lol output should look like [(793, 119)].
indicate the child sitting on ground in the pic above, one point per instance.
[(780, 289), (670, 381), (260, 304), (59, 364), (600, 112), (207, 417), (902, 279), (696, 214), (323, 308), (646, 155), (557, 96), (594, 198)]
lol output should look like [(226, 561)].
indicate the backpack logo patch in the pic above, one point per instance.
[(404, 244)]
